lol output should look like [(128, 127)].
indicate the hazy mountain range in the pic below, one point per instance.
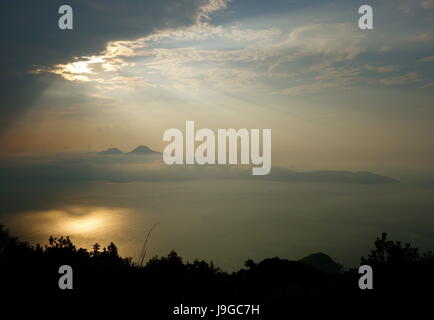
[(140, 150), (114, 165), (363, 177)]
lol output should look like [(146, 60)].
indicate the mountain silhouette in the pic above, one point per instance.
[(110, 151), (330, 176), (143, 150), (322, 262), (140, 150)]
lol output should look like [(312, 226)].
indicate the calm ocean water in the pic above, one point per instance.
[(229, 221)]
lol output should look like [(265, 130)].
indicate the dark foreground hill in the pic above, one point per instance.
[(103, 279)]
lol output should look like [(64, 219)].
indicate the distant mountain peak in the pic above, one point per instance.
[(322, 262), (143, 150), (111, 151)]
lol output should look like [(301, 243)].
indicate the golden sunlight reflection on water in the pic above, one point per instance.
[(85, 225)]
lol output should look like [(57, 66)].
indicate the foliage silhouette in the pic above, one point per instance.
[(32, 272), (400, 268)]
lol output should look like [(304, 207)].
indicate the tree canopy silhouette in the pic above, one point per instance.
[(32, 271)]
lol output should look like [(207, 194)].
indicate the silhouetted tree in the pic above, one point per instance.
[(399, 270)]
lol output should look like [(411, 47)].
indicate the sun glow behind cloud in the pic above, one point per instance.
[(236, 58)]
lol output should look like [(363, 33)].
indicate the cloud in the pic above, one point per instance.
[(426, 59), (340, 40), (427, 4), (197, 55), (306, 88), (423, 37), (239, 34), (176, 65), (381, 69), (428, 85), (34, 38), (326, 76), (246, 60), (408, 78)]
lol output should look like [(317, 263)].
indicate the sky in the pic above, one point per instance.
[(335, 96)]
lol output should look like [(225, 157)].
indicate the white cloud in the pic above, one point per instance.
[(399, 80), (340, 41), (240, 34), (381, 69), (215, 68), (213, 6)]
